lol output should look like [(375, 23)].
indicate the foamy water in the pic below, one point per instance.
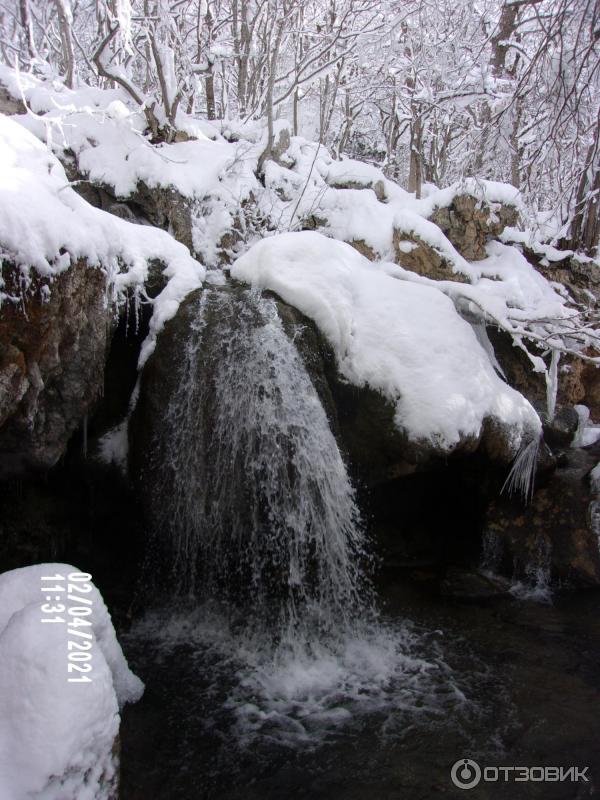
[(301, 692)]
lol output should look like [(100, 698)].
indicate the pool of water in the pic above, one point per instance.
[(382, 712)]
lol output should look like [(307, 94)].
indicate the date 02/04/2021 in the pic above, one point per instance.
[(68, 594)]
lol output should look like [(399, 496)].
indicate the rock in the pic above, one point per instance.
[(364, 249), (560, 430), (470, 223), (580, 384), (414, 254), (52, 352), (579, 380), (364, 421), (581, 278), (361, 182), (166, 208), (10, 105), (517, 368), (281, 143), (470, 585), (555, 531)]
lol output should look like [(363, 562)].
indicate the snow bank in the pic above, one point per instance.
[(56, 738), (404, 340)]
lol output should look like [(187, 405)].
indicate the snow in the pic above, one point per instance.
[(216, 180), (46, 226), (352, 171), (402, 339), (309, 184), (106, 137), (587, 433), (406, 246), (506, 291), (56, 737)]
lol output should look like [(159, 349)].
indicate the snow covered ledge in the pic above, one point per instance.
[(58, 740), (402, 339)]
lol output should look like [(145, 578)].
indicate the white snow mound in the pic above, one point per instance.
[(56, 737), (402, 339)]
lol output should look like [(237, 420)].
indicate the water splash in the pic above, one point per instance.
[(536, 582)]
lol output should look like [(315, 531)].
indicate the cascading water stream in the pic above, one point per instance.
[(260, 507), (263, 540)]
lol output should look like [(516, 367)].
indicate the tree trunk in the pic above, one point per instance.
[(415, 175), (66, 35), (209, 88), (28, 28)]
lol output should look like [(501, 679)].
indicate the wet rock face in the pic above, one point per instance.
[(52, 351), (556, 531), (470, 224)]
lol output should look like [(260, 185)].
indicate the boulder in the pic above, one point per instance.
[(364, 421), (470, 223), (53, 343), (414, 254), (560, 431), (556, 531)]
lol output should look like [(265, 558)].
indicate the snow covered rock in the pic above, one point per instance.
[(416, 254), (403, 341), (193, 188), (58, 740), (352, 174), (470, 223), (66, 266)]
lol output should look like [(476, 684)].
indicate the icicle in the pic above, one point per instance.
[(521, 477), (552, 384)]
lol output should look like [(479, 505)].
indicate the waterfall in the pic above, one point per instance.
[(256, 499), (259, 534)]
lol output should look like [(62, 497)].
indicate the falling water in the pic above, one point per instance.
[(265, 539), (261, 508)]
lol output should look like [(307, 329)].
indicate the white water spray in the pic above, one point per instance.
[(259, 504)]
